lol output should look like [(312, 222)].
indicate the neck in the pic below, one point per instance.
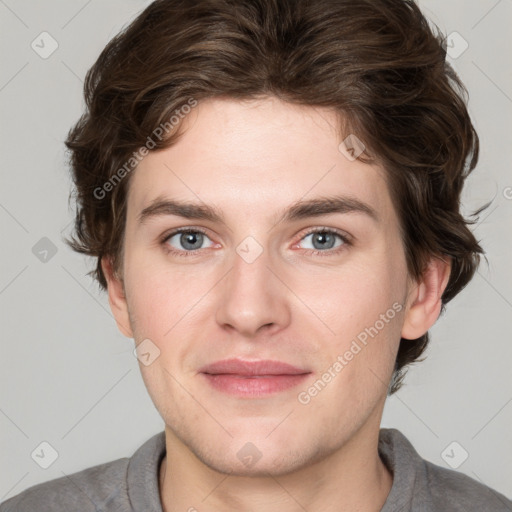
[(352, 478)]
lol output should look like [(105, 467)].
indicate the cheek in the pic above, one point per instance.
[(365, 314), (361, 305), (161, 296), (353, 298)]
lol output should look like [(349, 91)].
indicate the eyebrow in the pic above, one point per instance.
[(162, 206)]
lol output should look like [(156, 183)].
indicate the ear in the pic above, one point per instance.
[(424, 301), (117, 298)]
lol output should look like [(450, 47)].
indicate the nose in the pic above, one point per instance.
[(253, 296)]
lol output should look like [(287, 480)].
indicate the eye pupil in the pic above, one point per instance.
[(191, 238), (324, 238)]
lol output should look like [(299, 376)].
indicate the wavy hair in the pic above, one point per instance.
[(378, 63)]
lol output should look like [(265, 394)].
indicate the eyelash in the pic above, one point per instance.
[(329, 252)]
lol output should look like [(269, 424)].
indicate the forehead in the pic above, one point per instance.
[(256, 157)]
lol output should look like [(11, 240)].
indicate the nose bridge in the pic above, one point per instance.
[(252, 296), (250, 264)]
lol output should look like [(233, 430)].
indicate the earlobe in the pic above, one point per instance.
[(425, 299), (116, 298)]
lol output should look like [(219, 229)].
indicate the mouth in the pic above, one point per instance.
[(252, 379)]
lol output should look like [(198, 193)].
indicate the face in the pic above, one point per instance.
[(322, 289)]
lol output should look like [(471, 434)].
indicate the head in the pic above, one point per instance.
[(247, 108)]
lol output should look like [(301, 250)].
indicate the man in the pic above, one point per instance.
[(271, 189)]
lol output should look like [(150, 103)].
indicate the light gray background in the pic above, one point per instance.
[(69, 378)]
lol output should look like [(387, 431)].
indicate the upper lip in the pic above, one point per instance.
[(261, 367)]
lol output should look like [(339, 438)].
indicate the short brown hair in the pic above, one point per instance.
[(378, 63)]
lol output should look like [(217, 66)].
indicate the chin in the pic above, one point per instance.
[(277, 464)]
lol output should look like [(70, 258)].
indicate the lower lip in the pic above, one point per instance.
[(253, 386)]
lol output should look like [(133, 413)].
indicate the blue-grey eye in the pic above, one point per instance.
[(324, 240), (190, 240)]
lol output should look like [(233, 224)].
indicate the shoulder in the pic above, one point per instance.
[(419, 484), (118, 486), (92, 489), (452, 490)]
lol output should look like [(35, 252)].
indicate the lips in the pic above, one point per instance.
[(252, 368), (252, 379)]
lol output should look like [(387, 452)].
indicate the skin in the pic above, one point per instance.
[(252, 160)]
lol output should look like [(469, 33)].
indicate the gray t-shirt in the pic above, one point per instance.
[(131, 485)]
